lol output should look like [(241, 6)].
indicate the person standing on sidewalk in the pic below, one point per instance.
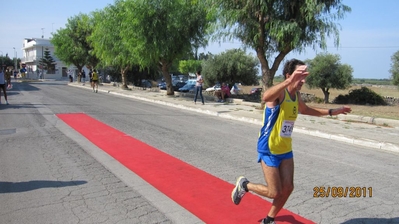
[(3, 86), (198, 88), (83, 76), (283, 103)]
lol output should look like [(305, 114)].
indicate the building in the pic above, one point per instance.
[(33, 50)]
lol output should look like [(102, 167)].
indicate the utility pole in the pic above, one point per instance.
[(1, 60), (42, 32)]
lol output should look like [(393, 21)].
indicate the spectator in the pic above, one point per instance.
[(198, 88), (84, 76), (223, 93), (3, 86), (8, 78)]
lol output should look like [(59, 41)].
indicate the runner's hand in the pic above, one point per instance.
[(299, 74)]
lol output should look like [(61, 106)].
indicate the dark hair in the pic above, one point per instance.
[(199, 72), (290, 66)]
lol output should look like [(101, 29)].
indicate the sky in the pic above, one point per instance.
[(369, 34)]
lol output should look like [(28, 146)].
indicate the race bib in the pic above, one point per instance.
[(287, 128)]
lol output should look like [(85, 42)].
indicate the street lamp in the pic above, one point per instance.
[(15, 62)]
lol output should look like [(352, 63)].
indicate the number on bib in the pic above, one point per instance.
[(287, 128)]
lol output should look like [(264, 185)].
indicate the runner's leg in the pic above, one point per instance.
[(287, 186)]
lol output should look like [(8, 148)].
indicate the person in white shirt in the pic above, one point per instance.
[(198, 88), (3, 86)]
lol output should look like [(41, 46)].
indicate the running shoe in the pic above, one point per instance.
[(239, 191), (7, 102), (264, 222)]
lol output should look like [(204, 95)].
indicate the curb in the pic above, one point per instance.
[(350, 140)]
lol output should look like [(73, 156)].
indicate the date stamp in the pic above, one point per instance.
[(342, 192)]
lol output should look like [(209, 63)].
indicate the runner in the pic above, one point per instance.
[(283, 103), (95, 81)]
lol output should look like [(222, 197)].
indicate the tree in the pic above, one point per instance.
[(189, 66), (274, 28), (231, 66), (161, 32), (7, 62), (326, 72), (47, 62), (72, 45), (395, 68), (110, 40)]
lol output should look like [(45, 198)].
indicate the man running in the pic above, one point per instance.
[(283, 103), (95, 81)]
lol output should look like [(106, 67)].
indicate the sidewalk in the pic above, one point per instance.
[(362, 131)]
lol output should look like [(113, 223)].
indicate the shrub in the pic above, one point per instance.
[(362, 96)]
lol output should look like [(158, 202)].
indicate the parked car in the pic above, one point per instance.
[(213, 88), (255, 91), (187, 88), (178, 84), (235, 90), (146, 83), (162, 85), (190, 86)]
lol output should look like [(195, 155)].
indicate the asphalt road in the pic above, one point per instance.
[(50, 174)]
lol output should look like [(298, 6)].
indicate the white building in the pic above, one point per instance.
[(33, 50)]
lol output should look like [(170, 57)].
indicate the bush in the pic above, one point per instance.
[(362, 96)]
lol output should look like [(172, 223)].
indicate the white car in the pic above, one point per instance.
[(213, 88)]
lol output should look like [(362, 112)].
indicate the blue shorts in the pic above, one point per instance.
[(274, 160)]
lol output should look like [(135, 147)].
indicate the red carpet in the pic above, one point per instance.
[(204, 195)]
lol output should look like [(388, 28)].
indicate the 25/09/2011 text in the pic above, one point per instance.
[(342, 192)]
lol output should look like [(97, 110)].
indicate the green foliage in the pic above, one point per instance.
[(189, 66), (109, 40), (273, 28), (6, 61), (362, 96), (47, 62), (159, 32), (71, 43), (326, 72), (395, 68), (231, 66)]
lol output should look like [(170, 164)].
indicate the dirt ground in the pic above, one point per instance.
[(391, 112)]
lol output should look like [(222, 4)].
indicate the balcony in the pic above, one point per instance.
[(29, 59)]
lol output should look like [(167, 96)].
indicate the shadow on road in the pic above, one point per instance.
[(13, 187), (372, 220)]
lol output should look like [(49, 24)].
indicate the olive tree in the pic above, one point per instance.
[(395, 68), (231, 66), (327, 72)]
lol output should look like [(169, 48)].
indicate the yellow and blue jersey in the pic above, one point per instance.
[(278, 124)]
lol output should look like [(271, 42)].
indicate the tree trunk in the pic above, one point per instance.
[(168, 79), (124, 77), (267, 72), (326, 94), (79, 72)]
